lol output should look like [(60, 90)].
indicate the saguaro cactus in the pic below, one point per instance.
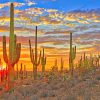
[(72, 55), (25, 72), (55, 63), (43, 61), (14, 48), (62, 64), (34, 56), (21, 71), (17, 71)]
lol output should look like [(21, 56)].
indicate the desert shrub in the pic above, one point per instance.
[(44, 94), (69, 97), (34, 97), (64, 77), (52, 76), (98, 78)]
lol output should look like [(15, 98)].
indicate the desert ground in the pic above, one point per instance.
[(57, 86)]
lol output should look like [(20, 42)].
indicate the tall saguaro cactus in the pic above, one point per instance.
[(72, 55), (34, 56), (43, 61), (14, 48)]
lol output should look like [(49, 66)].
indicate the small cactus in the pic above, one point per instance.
[(21, 71), (62, 64), (43, 61), (25, 72)]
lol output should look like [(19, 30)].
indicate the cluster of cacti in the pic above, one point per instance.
[(22, 72), (34, 56), (14, 48), (87, 63), (72, 56), (43, 61)]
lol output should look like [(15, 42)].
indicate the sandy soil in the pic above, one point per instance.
[(57, 87)]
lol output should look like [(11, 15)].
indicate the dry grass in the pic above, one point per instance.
[(55, 86)]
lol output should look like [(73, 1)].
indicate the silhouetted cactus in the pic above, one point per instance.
[(43, 60), (17, 71), (97, 60), (91, 61), (72, 55), (55, 67), (14, 48), (62, 64), (21, 71), (34, 56), (25, 72), (0, 71)]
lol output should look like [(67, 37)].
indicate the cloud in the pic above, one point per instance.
[(7, 4), (30, 2), (54, 28), (4, 5)]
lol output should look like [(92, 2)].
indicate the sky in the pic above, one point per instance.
[(55, 19)]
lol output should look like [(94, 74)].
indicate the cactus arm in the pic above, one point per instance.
[(74, 52), (31, 52), (4, 50), (30, 49), (32, 56), (18, 51), (39, 59)]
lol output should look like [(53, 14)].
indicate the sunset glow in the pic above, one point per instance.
[(54, 24)]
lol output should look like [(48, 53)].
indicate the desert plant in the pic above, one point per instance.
[(72, 56), (97, 60), (55, 67), (34, 56), (14, 49), (25, 72), (62, 64), (21, 71), (17, 71), (43, 61), (0, 63)]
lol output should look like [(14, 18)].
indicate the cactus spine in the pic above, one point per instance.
[(43, 61), (34, 56), (14, 48), (72, 55)]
